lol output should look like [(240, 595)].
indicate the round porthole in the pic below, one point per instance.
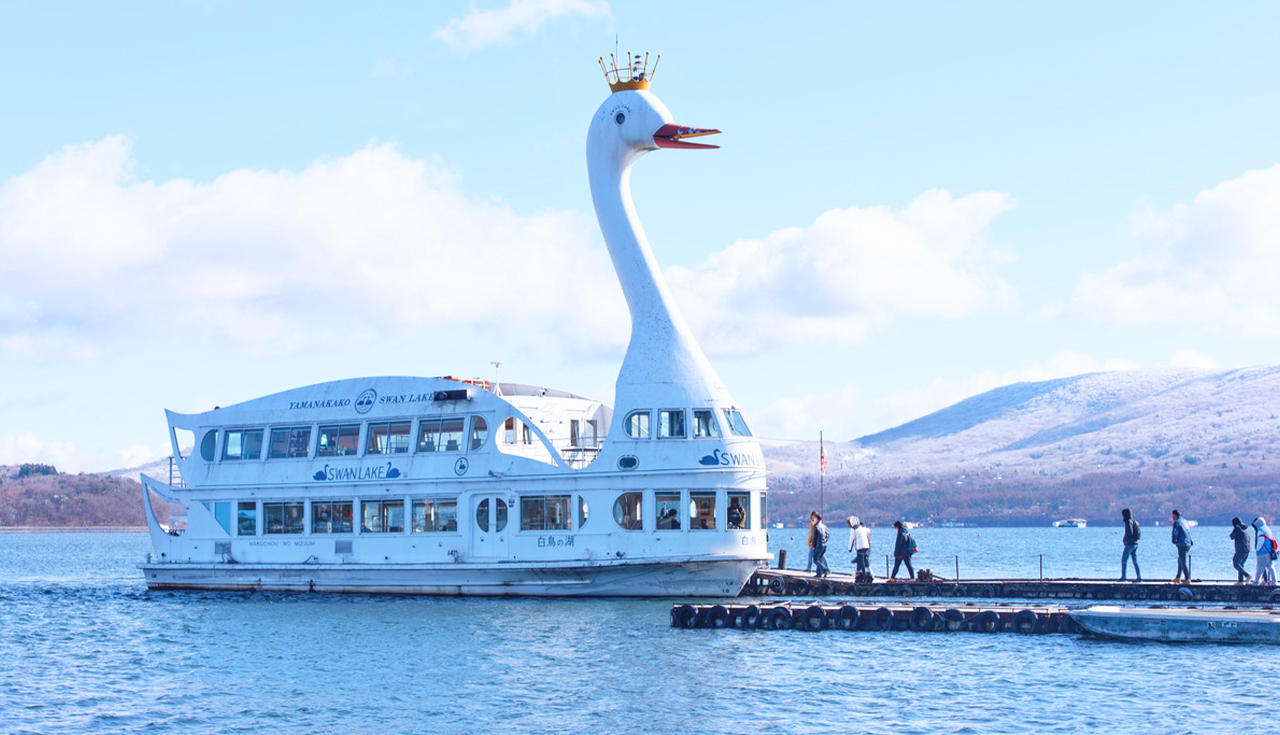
[(628, 462), (620, 118), (207, 445)]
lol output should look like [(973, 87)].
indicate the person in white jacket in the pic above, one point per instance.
[(860, 542)]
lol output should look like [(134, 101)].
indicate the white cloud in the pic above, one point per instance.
[(348, 251), (1214, 263), (480, 28), (853, 270), (21, 446), (1191, 358)]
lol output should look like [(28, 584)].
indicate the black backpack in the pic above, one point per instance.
[(1137, 529)]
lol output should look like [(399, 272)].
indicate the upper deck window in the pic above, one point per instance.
[(704, 424), (290, 442), (737, 424), (242, 444), (671, 423), (441, 435), (479, 432), (636, 424), (389, 438), (338, 441)]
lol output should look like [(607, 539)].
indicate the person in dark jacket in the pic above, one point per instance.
[(1240, 534), (903, 548), (821, 536), (1181, 538), (1132, 532)]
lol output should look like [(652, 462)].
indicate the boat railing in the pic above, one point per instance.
[(175, 475)]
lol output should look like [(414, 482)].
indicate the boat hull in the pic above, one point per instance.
[(1180, 625), (692, 578)]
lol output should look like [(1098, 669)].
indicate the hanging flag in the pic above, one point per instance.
[(822, 457)]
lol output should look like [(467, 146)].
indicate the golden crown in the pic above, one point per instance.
[(633, 75)]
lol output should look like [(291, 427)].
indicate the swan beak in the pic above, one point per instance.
[(672, 136)]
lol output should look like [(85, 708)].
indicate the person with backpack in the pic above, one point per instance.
[(820, 538), (1240, 535), (1132, 532), (1182, 539), (903, 548), (1267, 550)]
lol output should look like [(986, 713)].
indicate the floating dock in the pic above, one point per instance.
[(920, 618), (790, 583)]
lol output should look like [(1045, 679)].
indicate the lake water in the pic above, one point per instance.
[(86, 648)]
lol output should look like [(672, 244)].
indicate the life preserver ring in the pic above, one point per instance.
[(717, 617), (952, 619), (685, 616), (814, 618), (777, 585), (882, 618), (921, 619), (848, 619), (751, 617), (986, 621), (1026, 621)]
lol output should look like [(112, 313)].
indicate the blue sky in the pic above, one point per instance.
[(205, 202)]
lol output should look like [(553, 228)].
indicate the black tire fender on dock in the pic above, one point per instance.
[(882, 618), (859, 590), (1026, 621), (814, 618), (826, 589), (779, 618), (751, 617), (986, 590), (685, 616), (1213, 595), (952, 619), (1186, 594), (799, 586), (986, 621), (777, 585), (906, 590), (932, 590), (717, 616), (848, 618), (879, 590), (921, 619), (1274, 597), (1161, 593)]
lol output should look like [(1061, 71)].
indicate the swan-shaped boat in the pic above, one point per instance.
[(462, 487)]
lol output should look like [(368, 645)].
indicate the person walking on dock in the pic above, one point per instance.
[(1266, 548), (860, 544), (1132, 532), (820, 538), (1240, 535), (808, 567), (903, 548), (1181, 538)]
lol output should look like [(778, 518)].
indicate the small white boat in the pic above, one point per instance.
[(1180, 624), (1071, 523)]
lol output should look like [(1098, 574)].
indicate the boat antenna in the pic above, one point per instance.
[(497, 387)]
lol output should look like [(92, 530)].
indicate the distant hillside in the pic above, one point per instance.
[(50, 499), (1207, 441)]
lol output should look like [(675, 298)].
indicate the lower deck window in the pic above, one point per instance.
[(739, 510), (435, 515), (667, 506), (283, 517), (247, 518), (331, 517), (381, 516), (545, 513), (626, 511), (702, 511)]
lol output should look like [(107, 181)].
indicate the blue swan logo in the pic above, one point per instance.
[(711, 459)]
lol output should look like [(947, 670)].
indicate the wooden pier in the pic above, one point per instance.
[(768, 582), (968, 617)]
